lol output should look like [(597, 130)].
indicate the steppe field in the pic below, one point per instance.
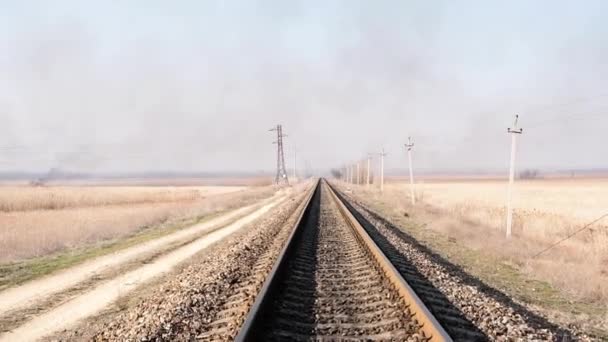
[(63, 224), (472, 212)]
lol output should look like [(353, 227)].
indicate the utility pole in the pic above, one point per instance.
[(369, 161), (382, 154), (358, 183), (281, 177), (515, 131), (346, 174), (409, 146), (295, 161)]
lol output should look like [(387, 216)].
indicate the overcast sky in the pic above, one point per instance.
[(195, 85)]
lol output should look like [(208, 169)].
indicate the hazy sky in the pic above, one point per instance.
[(195, 85)]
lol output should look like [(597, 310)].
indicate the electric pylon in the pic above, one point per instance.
[(281, 177)]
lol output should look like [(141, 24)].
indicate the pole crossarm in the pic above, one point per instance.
[(409, 144), (515, 129)]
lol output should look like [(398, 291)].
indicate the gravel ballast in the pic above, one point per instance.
[(207, 299), (475, 304)]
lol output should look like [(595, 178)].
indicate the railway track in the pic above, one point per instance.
[(332, 282), (468, 309), (323, 267)]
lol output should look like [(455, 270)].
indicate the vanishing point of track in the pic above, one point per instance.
[(332, 282)]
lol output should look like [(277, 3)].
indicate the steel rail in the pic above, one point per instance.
[(430, 327), (429, 324), (265, 296)]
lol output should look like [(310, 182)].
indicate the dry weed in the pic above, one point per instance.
[(25, 198), (34, 233), (545, 211)]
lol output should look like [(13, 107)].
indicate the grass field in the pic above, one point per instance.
[(576, 199), (26, 198), (546, 211), (464, 221), (38, 221)]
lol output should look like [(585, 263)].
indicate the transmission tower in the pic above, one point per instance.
[(281, 177)]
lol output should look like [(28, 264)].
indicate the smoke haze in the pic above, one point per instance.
[(195, 85)]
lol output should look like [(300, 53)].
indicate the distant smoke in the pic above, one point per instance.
[(197, 89)]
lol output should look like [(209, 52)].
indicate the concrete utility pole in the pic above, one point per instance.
[(358, 183), (346, 174), (382, 154), (409, 146), (369, 161), (514, 133), (350, 174), (281, 177), (295, 161)]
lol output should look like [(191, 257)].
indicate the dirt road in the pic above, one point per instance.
[(95, 299)]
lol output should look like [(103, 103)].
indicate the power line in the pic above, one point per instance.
[(578, 100), (571, 117), (433, 145), (569, 236)]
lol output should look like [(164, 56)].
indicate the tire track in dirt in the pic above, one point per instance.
[(97, 298)]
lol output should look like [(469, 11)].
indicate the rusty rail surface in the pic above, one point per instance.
[(430, 327)]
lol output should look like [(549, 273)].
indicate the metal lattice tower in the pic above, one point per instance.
[(281, 177)]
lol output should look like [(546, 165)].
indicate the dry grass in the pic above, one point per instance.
[(26, 198), (545, 211), (41, 221)]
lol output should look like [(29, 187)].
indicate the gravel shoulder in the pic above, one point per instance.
[(495, 312), (105, 293)]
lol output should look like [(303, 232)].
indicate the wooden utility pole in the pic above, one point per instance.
[(515, 131), (409, 146)]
